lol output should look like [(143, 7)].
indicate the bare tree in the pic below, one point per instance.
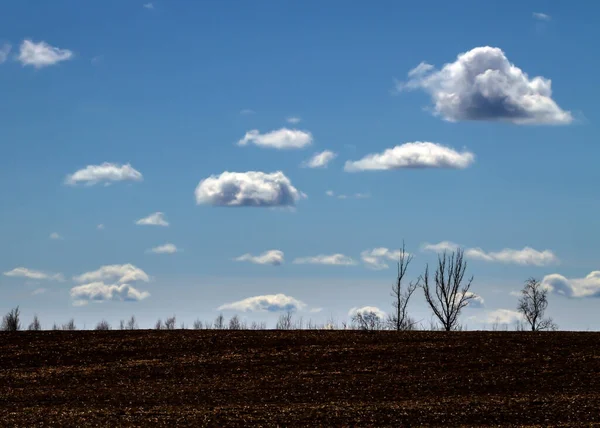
[(285, 321), (132, 323), (12, 320), (235, 323), (197, 325), (170, 323), (35, 324), (399, 319), (69, 325), (533, 304), (122, 325), (258, 326), (367, 320), (220, 322), (451, 292), (103, 326), (55, 326), (158, 325)]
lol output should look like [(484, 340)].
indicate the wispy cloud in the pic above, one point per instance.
[(4, 52), (294, 120), (22, 272), (164, 249), (149, 5), (330, 259), (266, 303), (542, 16), (377, 257), (154, 219), (283, 138), (320, 160), (413, 155), (271, 257), (40, 55), (38, 291), (104, 173), (55, 235)]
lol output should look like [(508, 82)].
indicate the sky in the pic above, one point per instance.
[(251, 157)]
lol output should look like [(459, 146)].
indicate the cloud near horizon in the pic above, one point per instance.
[(248, 189), (413, 155), (100, 292), (331, 260), (367, 309), (104, 173), (283, 138), (271, 257), (482, 85), (121, 273), (266, 303)]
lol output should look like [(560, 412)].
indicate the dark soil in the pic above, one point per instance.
[(307, 378)]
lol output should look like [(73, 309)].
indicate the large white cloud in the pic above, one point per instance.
[(271, 257), (283, 138), (266, 303), (503, 316), (99, 291), (483, 85), (154, 219), (320, 160), (106, 173), (41, 54), (574, 287), (22, 272), (248, 189), (367, 309), (377, 257), (4, 51), (164, 249), (323, 259), (526, 257), (413, 155), (118, 273)]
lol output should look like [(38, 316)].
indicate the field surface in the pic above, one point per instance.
[(298, 378)]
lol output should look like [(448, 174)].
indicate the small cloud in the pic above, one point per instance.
[(248, 189), (342, 197), (503, 316), (331, 260), (515, 293), (367, 309), (376, 258), (41, 54), (271, 257), (154, 219), (266, 303), (4, 52), (440, 247), (315, 310), (413, 155), (330, 193), (106, 173), (100, 227), (362, 195), (542, 16), (293, 119), (55, 235), (149, 5), (121, 273), (475, 302), (283, 138), (164, 249), (38, 291), (22, 272), (320, 160), (247, 111)]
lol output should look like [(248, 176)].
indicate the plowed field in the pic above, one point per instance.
[(291, 378)]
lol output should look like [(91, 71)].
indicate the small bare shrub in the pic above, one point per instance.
[(102, 326), (35, 324), (11, 321)]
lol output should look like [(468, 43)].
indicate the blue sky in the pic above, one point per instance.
[(171, 88)]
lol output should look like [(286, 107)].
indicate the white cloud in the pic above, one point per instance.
[(503, 316), (107, 172), (483, 85), (154, 219), (4, 51), (55, 235), (332, 259), (366, 309), (248, 189), (283, 138), (247, 111), (526, 257), (294, 119), (320, 160), (362, 195), (100, 226), (574, 287), (22, 272), (119, 273), (164, 249), (541, 16), (376, 258), (271, 257), (267, 303), (99, 291), (38, 291), (41, 54), (413, 155), (475, 302), (329, 193), (515, 293), (149, 5)]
